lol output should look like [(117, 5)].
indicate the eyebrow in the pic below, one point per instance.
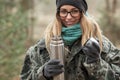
[(70, 9)]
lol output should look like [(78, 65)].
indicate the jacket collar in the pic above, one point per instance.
[(75, 49)]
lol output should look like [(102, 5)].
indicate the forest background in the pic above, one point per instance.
[(22, 23)]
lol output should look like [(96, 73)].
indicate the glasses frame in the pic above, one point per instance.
[(68, 12)]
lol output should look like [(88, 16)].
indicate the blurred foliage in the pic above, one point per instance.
[(45, 1), (13, 25), (45, 4), (110, 24)]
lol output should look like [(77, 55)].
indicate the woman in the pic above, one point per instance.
[(88, 56)]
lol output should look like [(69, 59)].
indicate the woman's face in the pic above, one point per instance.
[(69, 15)]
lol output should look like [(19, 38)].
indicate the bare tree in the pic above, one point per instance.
[(111, 21), (111, 6), (114, 6), (28, 5)]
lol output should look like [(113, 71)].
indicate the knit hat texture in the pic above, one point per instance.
[(80, 4)]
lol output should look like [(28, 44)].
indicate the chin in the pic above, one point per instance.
[(68, 25)]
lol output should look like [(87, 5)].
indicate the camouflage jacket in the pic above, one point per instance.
[(108, 68)]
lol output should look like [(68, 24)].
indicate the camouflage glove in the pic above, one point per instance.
[(52, 68), (92, 50)]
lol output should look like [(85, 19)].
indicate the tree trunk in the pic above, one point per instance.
[(107, 6), (28, 5), (111, 10), (114, 7)]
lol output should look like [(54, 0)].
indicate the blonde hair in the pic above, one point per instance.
[(89, 26)]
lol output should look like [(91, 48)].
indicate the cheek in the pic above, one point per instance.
[(78, 18), (62, 20)]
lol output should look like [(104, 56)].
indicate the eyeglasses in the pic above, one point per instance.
[(74, 13)]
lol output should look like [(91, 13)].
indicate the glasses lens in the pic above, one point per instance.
[(75, 13), (63, 13)]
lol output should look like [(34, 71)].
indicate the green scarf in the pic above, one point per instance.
[(71, 33)]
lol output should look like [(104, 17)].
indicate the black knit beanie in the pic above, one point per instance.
[(80, 4)]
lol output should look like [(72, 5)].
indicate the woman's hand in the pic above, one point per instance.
[(52, 68), (92, 50)]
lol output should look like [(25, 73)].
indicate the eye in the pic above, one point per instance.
[(63, 11), (74, 11)]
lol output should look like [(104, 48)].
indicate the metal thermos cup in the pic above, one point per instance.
[(57, 52)]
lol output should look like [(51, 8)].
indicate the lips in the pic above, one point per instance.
[(69, 23)]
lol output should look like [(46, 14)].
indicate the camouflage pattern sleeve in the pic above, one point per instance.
[(111, 55), (108, 67), (33, 64)]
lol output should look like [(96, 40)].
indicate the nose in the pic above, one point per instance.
[(68, 16)]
